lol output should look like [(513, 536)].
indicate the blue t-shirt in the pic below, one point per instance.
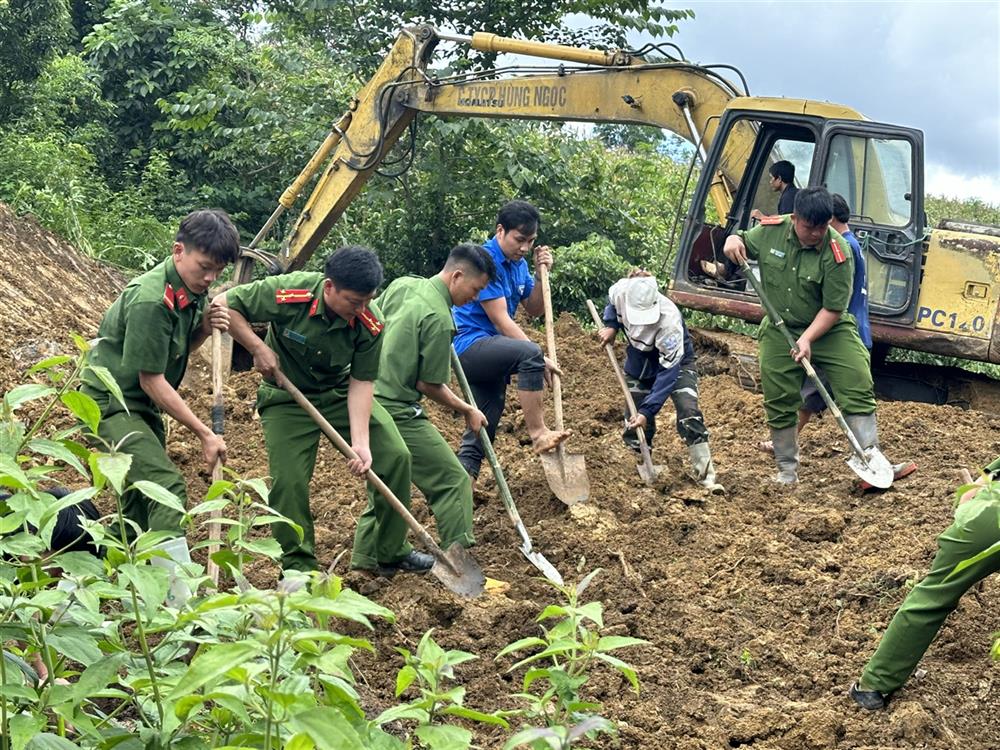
[(514, 283), (859, 296)]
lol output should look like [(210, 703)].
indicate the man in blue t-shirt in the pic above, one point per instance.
[(492, 347)]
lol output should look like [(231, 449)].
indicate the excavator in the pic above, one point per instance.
[(930, 290)]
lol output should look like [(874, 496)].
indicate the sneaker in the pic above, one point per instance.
[(414, 562), (870, 700)]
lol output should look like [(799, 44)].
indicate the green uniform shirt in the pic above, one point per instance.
[(147, 329), (418, 335), (800, 281), (316, 352)]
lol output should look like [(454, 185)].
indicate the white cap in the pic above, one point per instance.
[(642, 301)]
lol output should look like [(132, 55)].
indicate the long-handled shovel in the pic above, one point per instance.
[(565, 472), (869, 464), (535, 558), (646, 469), (456, 568), (219, 362)]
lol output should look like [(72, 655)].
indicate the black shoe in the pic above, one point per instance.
[(414, 562), (870, 700)]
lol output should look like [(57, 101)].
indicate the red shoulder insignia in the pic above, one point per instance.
[(373, 324), (289, 296), (182, 298), (838, 254), (314, 307), (771, 220), (168, 297)]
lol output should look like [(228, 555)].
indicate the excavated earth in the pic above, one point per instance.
[(760, 606)]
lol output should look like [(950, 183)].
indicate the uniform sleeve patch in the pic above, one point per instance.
[(168, 296), (290, 296), (838, 254), (373, 324), (772, 220)]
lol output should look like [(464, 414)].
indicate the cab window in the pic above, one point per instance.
[(875, 176)]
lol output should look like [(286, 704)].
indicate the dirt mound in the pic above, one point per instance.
[(49, 291), (760, 606)]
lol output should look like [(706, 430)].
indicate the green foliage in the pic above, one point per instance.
[(31, 31), (938, 207), (585, 271), (555, 675)]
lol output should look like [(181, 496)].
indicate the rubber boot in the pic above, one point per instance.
[(704, 469), (177, 548), (786, 454), (864, 427)]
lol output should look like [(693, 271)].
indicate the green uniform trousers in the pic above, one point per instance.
[(436, 471), (923, 612), (147, 444), (292, 438), (841, 355)]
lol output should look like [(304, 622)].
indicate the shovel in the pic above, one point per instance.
[(565, 472), (871, 465), (456, 568), (535, 558), (646, 469), (219, 362)]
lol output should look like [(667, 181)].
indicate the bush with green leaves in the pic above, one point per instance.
[(557, 711)]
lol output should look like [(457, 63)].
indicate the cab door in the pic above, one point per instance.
[(878, 169)]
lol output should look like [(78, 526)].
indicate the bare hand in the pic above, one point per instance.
[(475, 420), (265, 361), (803, 350), (359, 466), (607, 335), (637, 422), (550, 369), (756, 214), (971, 493), (543, 257), (217, 316), (735, 250), (213, 449)]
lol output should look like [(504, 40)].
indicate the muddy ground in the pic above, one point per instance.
[(760, 606)]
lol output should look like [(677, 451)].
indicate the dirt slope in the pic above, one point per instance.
[(760, 606)]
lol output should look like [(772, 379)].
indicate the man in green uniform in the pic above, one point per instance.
[(416, 362), (807, 270), (326, 340), (976, 529), (145, 339)]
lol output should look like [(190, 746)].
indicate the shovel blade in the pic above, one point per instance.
[(566, 474), (649, 472), (459, 571), (875, 469), (546, 568)]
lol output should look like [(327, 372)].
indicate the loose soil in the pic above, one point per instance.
[(760, 606)]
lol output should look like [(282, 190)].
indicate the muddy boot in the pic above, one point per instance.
[(786, 454), (704, 469), (864, 427)]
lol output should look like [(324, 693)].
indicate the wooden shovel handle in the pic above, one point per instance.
[(550, 343), (219, 366), (371, 476)]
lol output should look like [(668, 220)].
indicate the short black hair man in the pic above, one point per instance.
[(782, 179), (492, 347), (326, 335)]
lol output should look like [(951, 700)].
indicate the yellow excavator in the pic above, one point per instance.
[(930, 290)]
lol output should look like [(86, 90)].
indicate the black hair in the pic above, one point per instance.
[(68, 534), (783, 170), (813, 205), (519, 215), (354, 268), (211, 231), (841, 211), (474, 258)]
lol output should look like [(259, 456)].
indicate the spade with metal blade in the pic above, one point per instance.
[(565, 472), (455, 568), (868, 463), (535, 558), (647, 471)]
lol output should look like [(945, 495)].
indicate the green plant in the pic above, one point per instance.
[(430, 669), (555, 676)]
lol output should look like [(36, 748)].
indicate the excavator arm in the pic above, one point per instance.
[(587, 85)]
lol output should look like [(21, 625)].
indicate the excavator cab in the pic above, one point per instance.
[(876, 167)]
